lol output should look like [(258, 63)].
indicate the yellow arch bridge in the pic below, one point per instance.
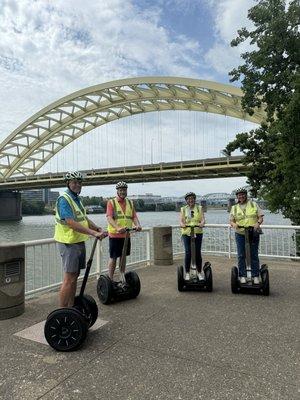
[(25, 151)]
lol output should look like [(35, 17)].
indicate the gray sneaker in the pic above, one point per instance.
[(256, 280), (243, 280)]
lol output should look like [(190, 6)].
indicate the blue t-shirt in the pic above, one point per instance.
[(63, 207)]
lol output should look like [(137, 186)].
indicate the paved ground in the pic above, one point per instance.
[(167, 345)]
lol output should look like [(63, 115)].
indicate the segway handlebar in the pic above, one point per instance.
[(89, 264), (193, 226)]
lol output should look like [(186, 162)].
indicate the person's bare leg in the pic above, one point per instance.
[(68, 289), (111, 267)]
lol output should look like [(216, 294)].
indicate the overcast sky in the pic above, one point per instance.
[(49, 49)]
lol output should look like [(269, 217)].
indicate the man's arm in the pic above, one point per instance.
[(136, 223), (76, 226)]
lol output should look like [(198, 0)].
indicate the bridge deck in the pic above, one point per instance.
[(195, 169), (166, 344)]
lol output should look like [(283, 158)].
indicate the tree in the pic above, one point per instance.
[(270, 79)]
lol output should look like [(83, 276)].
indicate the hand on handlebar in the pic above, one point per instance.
[(138, 228), (101, 235), (121, 230)]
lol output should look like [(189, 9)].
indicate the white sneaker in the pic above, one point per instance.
[(242, 279), (201, 276), (256, 280), (187, 276)]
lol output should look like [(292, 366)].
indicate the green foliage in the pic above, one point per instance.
[(93, 201), (270, 79), (33, 207)]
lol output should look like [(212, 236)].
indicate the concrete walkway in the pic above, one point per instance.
[(166, 344)]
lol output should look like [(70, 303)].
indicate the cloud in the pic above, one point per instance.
[(59, 47), (230, 15), (49, 49)]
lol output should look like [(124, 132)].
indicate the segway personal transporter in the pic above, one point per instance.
[(66, 328), (250, 287), (194, 283), (128, 288)]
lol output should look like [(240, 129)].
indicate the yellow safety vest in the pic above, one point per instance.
[(124, 220), (186, 212), (246, 217), (65, 234)]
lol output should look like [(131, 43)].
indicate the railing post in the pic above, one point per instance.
[(148, 247), (229, 241)]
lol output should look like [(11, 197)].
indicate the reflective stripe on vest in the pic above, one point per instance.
[(246, 217), (123, 219), (65, 234), (195, 220)]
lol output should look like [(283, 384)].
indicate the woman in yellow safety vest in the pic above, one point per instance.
[(244, 214), (192, 214)]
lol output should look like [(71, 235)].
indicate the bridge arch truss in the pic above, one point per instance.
[(47, 132)]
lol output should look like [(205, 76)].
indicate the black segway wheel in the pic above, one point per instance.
[(180, 279), (65, 329), (234, 280), (88, 308), (134, 283), (105, 289), (208, 277), (264, 273)]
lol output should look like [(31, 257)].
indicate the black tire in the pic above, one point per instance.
[(234, 280), (88, 307), (105, 289), (265, 281), (180, 280), (65, 329), (208, 277), (134, 282)]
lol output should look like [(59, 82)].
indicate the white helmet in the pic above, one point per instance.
[(241, 190), (76, 175), (120, 185)]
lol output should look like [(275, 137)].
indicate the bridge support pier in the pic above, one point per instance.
[(10, 206)]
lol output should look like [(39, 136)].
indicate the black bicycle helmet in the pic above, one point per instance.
[(190, 194)]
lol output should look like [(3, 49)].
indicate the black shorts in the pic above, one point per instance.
[(116, 247)]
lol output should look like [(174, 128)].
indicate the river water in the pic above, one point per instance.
[(42, 226)]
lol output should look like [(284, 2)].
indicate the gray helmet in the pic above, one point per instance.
[(190, 194), (121, 184), (241, 190), (74, 175)]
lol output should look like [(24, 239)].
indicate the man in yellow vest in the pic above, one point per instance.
[(244, 214), (120, 214), (192, 214), (72, 229)]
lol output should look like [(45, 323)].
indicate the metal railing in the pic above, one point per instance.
[(43, 270), (277, 241), (43, 262)]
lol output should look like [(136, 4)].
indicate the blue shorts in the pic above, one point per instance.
[(73, 256), (116, 247)]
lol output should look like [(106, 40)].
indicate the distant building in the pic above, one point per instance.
[(45, 195), (148, 198)]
